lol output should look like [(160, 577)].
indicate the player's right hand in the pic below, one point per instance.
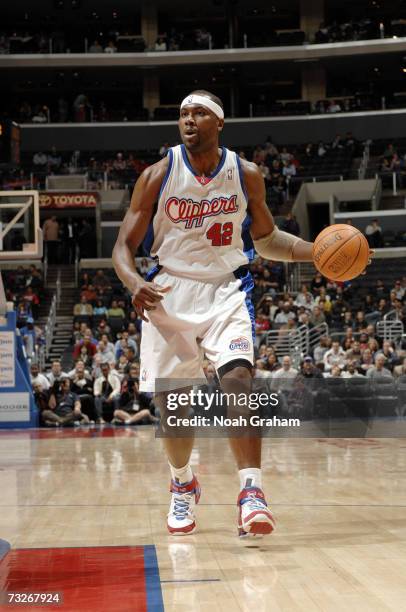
[(146, 296)]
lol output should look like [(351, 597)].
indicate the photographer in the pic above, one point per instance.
[(133, 405)]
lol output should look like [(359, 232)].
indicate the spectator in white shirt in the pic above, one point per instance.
[(39, 379), (285, 314), (351, 371), (106, 393), (304, 298), (282, 379), (289, 169), (334, 356), (56, 374), (379, 370)]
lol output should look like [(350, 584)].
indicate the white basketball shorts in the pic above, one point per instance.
[(196, 319)]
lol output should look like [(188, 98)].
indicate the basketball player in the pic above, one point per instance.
[(206, 206)]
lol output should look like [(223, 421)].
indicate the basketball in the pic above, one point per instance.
[(340, 252)]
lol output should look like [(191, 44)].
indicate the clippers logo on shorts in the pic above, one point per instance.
[(240, 344), (189, 212)]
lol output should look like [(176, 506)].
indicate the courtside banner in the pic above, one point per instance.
[(68, 199), (277, 407)]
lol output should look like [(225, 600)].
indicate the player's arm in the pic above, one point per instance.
[(269, 241), (145, 295)]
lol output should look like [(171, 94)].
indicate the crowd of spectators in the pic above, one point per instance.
[(362, 29), (392, 162), (116, 39), (101, 382), (112, 40), (25, 289)]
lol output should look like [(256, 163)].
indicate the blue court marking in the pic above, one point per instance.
[(4, 548), (152, 582)]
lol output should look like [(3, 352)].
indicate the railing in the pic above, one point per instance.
[(50, 324), (58, 288), (292, 276), (45, 264), (390, 329), (392, 181), (77, 259), (296, 342)]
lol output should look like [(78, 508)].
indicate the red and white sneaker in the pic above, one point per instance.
[(254, 516), (181, 516)]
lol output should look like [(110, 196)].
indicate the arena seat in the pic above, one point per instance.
[(385, 397)]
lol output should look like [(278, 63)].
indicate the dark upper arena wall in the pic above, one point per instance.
[(237, 132)]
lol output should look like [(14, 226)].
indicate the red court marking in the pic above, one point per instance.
[(102, 579)]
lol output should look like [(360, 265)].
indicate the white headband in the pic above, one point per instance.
[(203, 101)]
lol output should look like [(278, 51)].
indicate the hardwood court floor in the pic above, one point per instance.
[(340, 543)]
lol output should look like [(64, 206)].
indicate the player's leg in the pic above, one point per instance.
[(229, 344), (169, 353), (254, 516), (184, 487)]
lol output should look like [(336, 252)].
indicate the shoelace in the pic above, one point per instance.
[(181, 505), (255, 503)]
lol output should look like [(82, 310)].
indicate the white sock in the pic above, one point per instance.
[(183, 474), (250, 477)]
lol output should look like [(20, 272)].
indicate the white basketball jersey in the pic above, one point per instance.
[(201, 226)]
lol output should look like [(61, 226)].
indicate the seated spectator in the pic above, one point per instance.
[(317, 283), (83, 308), (37, 378), (317, 317), (106, 393), (115, 310), (304, 298), (132, 405), (56, 374), (271, 363), (111, 47), (64, 407), (262, 324), (290, 225), (373, 233), (160, 44), (32, 300), (82, 385), (100, 310), (285, 314), (283, 378), (400, 291), (367, 361), (390, 354), (79, 370), (335, 372), (104, 353), (101, 280), (354, 354), (333, 107), (350, 370), (378, 370), (95, 47), (88, 343), (89, 293), (102, 329), (334, 356)]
